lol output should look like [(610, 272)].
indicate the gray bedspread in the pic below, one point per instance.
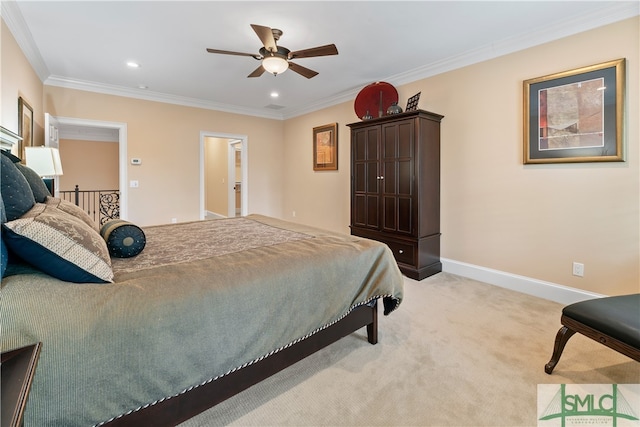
[(161, 329)]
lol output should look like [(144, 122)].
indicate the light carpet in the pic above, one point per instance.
[(457, 352)]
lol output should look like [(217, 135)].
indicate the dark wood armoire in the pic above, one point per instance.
[(395, 187)]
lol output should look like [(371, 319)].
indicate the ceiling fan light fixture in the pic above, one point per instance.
[(275, 59), (275, 64)]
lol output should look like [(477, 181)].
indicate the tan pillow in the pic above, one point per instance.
[(70, 208), (60, 245)]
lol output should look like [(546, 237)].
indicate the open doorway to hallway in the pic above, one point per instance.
[(89, 180), (223, 175)]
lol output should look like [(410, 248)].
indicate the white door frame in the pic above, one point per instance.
[(122, 153), (231, 181), (244, 141), (51, 140)]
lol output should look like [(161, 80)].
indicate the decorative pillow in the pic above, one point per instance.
[(72, 209), (60, 245), (124, 239), (3, 214), (16, 192), (4, 255), (38, 187), (11, 157)]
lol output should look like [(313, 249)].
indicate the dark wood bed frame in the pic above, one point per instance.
[(180, 408)]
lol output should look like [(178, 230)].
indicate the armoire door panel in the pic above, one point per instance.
[(389, 218), (405, 215), (373, 144), (389, 151), (405, 139), (389, 178), (373, 203), (359, 210), (359, 146), (373, 177), (359, 177), (405, 177), (389, 144)]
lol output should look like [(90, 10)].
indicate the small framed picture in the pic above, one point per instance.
[(576, 115), (412, 103), (325, 147), (25, 126)]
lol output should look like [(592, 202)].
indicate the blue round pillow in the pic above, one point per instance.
[(124, 239)]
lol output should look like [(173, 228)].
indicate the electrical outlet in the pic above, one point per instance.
[(578, 269), (293, 214), (174, 220)]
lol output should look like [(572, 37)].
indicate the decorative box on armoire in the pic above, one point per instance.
[(395, 187)]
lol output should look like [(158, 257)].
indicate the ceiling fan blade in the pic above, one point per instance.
[(257, 72), (266, 37), (326, 50), (228, 52), (302, 70)]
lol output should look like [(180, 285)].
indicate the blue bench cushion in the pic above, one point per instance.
[(618, 317)]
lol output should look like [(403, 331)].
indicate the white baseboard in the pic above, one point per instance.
[(547, 290)]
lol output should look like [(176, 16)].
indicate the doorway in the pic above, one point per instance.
[(235, 177), (55, 127), (223, 175)]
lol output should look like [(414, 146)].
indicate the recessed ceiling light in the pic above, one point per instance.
[(143, 87), (132, 64), (275, 94)]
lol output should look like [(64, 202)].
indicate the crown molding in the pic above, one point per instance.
[(157, 97), (616, 11), (349, 95), (12, 16)]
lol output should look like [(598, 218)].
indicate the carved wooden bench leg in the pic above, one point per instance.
[(562, 337)]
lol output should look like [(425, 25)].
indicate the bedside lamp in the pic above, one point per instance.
[(45, 161)]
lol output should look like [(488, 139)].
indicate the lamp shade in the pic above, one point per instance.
[(45, 161), (275, 64)]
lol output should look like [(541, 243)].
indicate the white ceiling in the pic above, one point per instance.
[(85, 44)]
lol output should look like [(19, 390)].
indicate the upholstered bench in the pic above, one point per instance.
[(612, 321)]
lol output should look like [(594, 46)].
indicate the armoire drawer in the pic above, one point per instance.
[(403, 252)]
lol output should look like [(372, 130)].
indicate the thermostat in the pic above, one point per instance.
[(136, 161)]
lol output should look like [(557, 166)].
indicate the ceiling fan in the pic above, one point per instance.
[(276, 59)]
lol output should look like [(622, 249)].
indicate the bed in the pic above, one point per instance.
[(204, 311)]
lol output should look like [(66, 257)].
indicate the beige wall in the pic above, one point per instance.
[(92, 165), (18, 79), (535, 220), (167, 139), (497, 213), (216, 175), (319, 198)]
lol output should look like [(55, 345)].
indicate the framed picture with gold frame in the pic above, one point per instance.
[(25, 127), (325, 147), (575, 115)]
